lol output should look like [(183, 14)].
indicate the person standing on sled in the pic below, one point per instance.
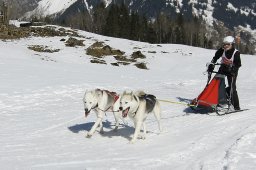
[(230, 64)]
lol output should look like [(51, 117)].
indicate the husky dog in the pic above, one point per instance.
[(137, 106), (101, 101)]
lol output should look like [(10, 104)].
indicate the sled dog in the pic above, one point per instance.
[(101, 101), (137, 106)]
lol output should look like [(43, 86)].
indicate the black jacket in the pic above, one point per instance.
[(228, 54)]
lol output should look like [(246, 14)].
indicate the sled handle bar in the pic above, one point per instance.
[(216, 72), (213, 64)]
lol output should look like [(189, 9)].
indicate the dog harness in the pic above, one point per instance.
[(150, 102), (110, 93)]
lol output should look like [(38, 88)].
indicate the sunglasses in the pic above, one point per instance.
[(227, 44)]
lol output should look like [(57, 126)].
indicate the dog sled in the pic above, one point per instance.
[(215, 97)]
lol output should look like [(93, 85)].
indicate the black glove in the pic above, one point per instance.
[(210, 67)]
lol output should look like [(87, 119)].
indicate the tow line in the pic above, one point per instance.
[(173, 102)]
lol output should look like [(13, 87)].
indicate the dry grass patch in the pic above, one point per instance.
[(98, 49), (72, 42), (138, 54), (141, 66), (41, 48), (98, 61)]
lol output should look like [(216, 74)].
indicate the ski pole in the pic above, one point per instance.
[(231, 93)]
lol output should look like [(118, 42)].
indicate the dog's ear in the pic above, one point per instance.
[(135, 96), (125, 92), (93, 92), (86, 91), (99, 93)]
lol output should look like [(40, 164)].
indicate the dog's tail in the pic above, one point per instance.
[(139, 93), (158, 114)]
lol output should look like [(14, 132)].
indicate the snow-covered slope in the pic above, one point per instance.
[(50, 7), (42, 124)]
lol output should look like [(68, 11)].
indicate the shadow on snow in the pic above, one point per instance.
[(87, 126), (123, 130), (189, 110)]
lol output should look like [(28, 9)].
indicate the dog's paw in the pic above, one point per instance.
[(115, 130), (142, 137), (132, 141), (88, 135)]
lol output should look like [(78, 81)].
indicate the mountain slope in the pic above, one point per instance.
[(238, 16), (51, 7), (243, 11), (17, 8)]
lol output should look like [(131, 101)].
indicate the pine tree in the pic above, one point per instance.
[(161, 27), (111, 28), (151, 34), (124, 22), (134, 26), (99, 17), (179, 30), (143, 28)]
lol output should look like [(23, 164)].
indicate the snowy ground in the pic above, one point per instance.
[(42, 124)]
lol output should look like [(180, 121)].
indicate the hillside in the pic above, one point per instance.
[(42, 124), (215, 19), (220, 18)]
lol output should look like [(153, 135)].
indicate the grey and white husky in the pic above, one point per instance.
[(101, 101), (137, 106)]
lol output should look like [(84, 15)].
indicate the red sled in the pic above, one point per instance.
[(214, 97)]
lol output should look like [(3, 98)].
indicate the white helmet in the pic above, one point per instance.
[(229, 39)]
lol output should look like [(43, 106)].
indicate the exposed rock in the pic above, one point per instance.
[(138, 54), (41, 48), (98, 61), (124, 58), (141, 66), (12, 32), (99, 50), (72, 42)]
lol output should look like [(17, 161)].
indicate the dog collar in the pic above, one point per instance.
[(95, 106), (134, 114)]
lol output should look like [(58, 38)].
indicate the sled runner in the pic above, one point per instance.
[(233, 111), (215, 97)]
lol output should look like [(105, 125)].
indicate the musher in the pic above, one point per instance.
[(230, 64)]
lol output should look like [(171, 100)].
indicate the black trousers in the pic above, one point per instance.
[(234, 95), (226, 70)]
